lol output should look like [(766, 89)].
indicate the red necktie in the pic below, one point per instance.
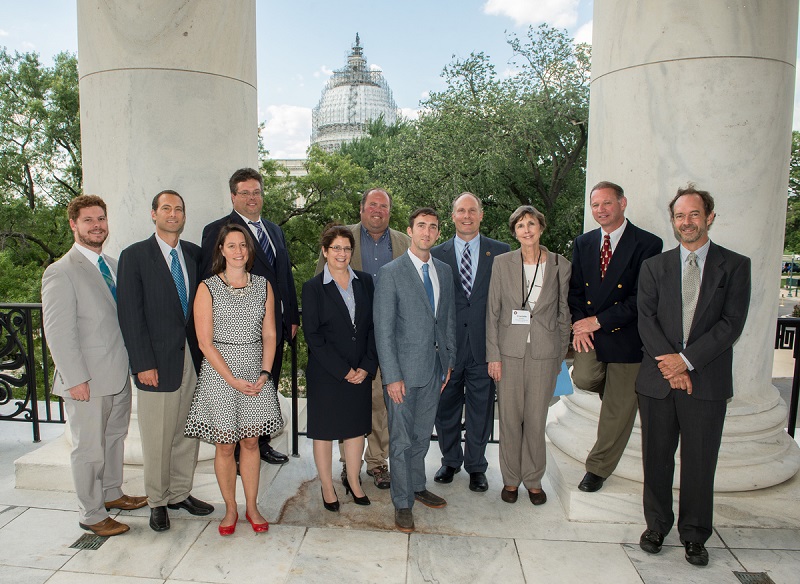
[(605, 255)]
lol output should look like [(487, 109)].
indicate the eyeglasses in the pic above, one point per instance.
[(340, 248), (249, 194)]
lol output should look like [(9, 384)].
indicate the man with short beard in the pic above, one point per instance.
[(693, 302), (79, 312)]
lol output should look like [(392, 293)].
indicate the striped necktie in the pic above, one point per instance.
[(465, 269), (106, 271), (263, 241)]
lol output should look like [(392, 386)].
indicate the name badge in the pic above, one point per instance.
[(520, 317)]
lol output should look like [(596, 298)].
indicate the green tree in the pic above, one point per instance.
[(791, 240), (514, 140)]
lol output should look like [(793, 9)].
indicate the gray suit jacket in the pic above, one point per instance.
[(718, 321), (471, 312), (80, 322), (408, 336), (550, 319), (400, 243)]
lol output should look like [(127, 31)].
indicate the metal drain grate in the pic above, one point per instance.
[(754, 578), (92, 542)]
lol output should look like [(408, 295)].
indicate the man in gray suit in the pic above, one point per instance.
[(693, 302), (158, 278), (376, 244), (470, 256), (415, 329), (79, 311)]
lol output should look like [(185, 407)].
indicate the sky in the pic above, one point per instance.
[(300, 43)]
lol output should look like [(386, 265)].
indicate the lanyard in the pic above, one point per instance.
[(533, 282)]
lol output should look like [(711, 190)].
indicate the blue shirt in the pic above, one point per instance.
[(348, 295), (375, 254)]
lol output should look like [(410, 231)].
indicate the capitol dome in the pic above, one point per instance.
[(352, 97)]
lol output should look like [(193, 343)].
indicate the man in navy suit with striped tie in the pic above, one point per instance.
[(271, 262), (155, 291)]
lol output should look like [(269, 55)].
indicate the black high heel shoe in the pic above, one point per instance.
[(347, 491), (330, 506)]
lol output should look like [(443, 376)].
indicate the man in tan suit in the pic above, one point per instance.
[(376, 245), (80, 320)]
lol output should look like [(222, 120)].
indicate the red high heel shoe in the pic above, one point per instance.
[(228, 529), (257, 527)]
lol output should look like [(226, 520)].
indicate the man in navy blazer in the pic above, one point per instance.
[(415, 334), (470, 257), (271, 262), (693, 303), (156, 283), (602, 300)]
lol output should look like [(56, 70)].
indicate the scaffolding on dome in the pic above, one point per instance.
[(352, 97)]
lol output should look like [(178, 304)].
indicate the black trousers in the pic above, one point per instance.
[(698, 423)]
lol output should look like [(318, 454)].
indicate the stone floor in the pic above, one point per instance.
[(476, 538)]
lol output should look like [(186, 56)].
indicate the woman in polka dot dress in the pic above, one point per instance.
[(235, 399)]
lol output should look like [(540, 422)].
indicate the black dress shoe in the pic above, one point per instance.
[(591, 483), (159, 520), (404, 520), (478, 482), (651, 541), (272, 456), (193, 506), (445, 474), (696, 553)]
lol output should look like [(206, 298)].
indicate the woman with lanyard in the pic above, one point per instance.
[(527, 334)]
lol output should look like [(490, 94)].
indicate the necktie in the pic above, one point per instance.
[(104, 269), (465, 270), (264, 243), (180, 283), (689, 291), (426, 281), (605, 255)]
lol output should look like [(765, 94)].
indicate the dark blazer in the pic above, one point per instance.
[(718, 321), (150, 312), (334, 345), (280, 278), (471, 312), (611, 299), (409, 337)]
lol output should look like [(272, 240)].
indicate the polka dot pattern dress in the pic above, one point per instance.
[(220, 413)]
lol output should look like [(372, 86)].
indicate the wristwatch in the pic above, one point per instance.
[(267, 373)]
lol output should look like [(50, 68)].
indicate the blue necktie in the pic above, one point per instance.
[(104, 269), (180, 283), (264, 243), (426, 281)]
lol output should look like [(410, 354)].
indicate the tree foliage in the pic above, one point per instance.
[(791, 239), (40, 166)]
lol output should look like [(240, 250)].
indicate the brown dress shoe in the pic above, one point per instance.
[(106, 528), (126, 503), (508, 495)]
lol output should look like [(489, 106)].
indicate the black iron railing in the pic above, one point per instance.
[(23, 358), (786, 337)]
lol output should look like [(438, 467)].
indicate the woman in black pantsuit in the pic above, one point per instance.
[(342, 360)]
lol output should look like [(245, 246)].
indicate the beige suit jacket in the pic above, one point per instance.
[(550, 319), (400, 243), (80, 322)]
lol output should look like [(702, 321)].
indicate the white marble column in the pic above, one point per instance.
[(168, 101), (701, 91)]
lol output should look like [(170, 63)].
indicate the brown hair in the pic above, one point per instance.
[(334, 230), (242, 175), (167, 192), (708, 200), (422, 211), (218, 263), (82, 202), (607, 184), (523, 210)]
